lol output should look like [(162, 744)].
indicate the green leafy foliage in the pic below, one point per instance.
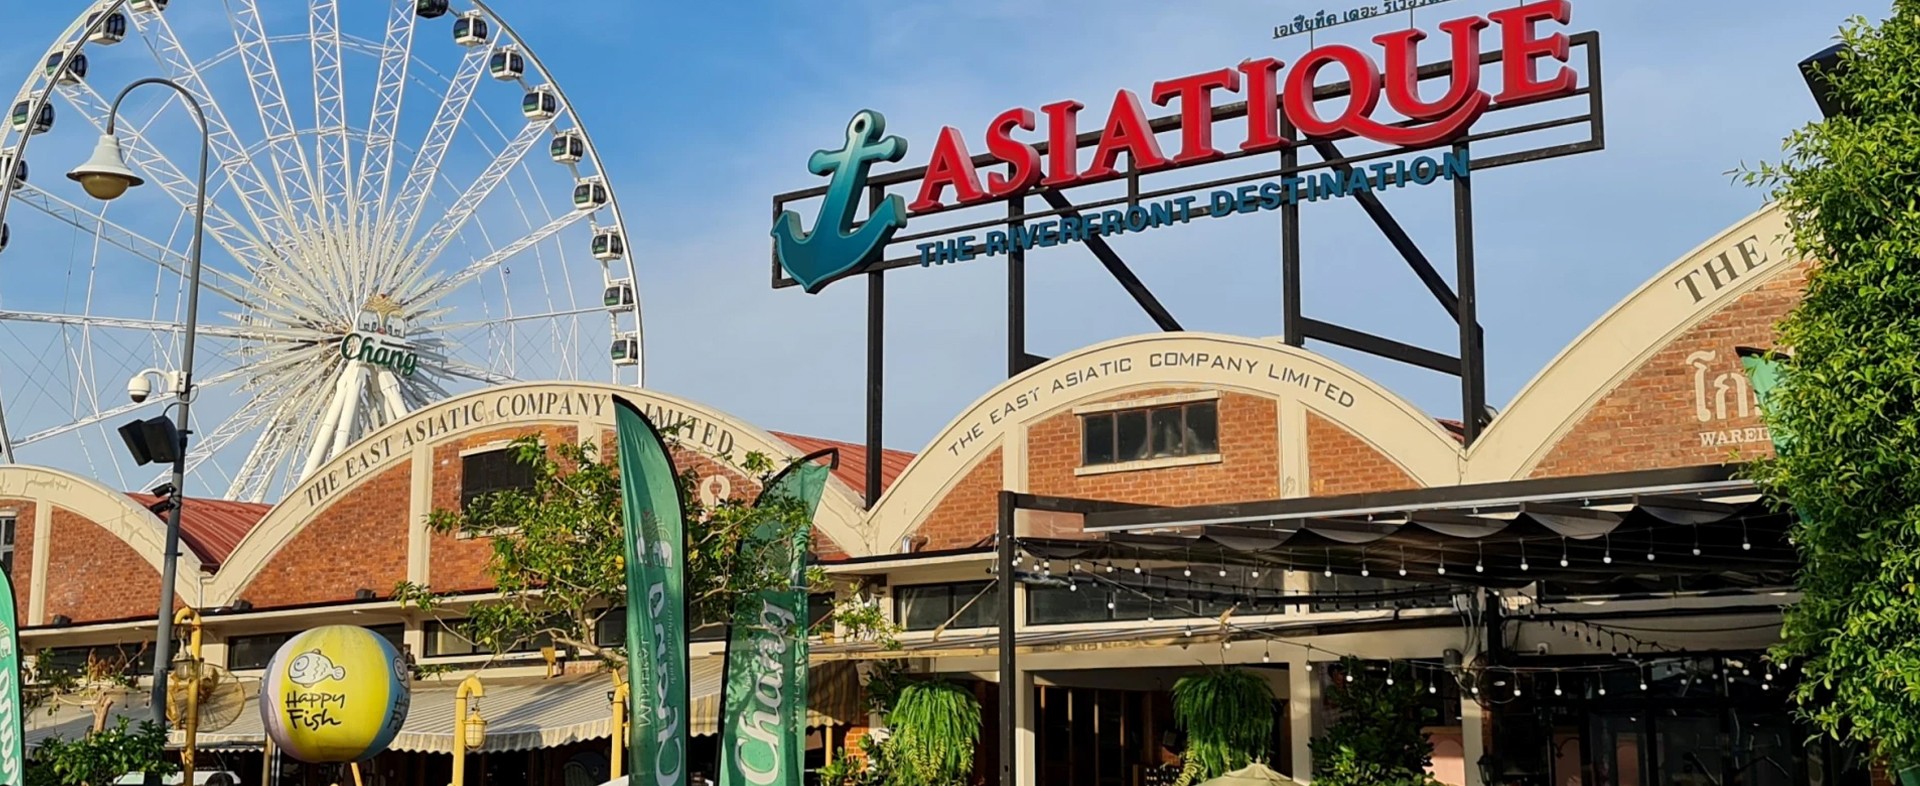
[(1227, 715), (1850, 395), (101, 758), (557, 558), (935, 726), (1377, 737)]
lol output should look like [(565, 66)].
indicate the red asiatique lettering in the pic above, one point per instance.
[(1271, 90)]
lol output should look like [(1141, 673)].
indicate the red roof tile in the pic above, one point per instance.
[(213, 527), (853, 460)]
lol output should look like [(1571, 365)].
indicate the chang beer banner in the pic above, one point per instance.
[(1765, 370), (656, 600), (13, 754), (763, 728)]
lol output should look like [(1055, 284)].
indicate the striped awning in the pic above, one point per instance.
[(529, 714), (72, 717)]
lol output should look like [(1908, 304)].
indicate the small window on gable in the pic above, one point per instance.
[(1172, 431), (490, 472), (9, 528)]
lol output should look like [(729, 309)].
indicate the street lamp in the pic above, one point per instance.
[(105, 176)]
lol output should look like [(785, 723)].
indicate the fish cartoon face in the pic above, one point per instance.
[(311, 668)]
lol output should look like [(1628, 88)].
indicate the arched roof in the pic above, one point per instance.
[(587, 405), (1301, 381), (1691, 289)]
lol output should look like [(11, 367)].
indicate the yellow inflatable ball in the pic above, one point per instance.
[(335, 694)]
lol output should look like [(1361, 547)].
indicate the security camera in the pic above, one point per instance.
[(139, 388)]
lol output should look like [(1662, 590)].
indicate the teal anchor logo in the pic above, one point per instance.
[(834, 246)]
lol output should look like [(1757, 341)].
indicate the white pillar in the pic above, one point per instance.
[(1025, 762), (1303, 701), (1472, 739)]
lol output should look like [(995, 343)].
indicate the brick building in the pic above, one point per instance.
[(1160, 422)]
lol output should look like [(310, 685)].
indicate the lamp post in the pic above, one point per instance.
[(618, 698), (105, 176), (469, 729), (188, 671)]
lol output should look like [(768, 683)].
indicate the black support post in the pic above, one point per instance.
[(876, 372), (1016, 293), (1473, 373), (1009, 681), (1291, 328)]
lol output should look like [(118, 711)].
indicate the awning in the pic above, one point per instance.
[(69, 719), (1699, 529), (525, 714)]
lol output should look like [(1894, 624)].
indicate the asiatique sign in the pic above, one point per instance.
[(1273, 90)]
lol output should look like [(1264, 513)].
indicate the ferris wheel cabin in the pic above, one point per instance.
[(471, 29), (19, 168), (507, 64), (620, 296), (608, 245), (25, 120), (540, 103), (5, 235), (626, 350), (112, 32), (568, 147), (590, 194), (430, 9), (73, 74)]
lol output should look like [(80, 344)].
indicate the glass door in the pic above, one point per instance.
[(1618, 750)]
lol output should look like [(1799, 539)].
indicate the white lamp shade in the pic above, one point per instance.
[(105, 174)]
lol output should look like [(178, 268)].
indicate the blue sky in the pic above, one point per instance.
[(704, 110)]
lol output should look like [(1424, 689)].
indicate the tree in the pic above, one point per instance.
[(100, 758), (557, 560), (1849, 396), (1378, 736)]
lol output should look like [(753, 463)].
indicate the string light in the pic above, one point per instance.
[(1480, 558), (1556, 683), (1523, 566), (1696, 540), (1745, 544), (1443, 563), (1403, 560), (1608, 557), (1563, 552)]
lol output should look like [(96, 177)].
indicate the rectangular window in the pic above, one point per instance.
[(134, 659), (8, 529), (1153, 433), (445, 639), (253, 652), (490, 472), (971, 604)]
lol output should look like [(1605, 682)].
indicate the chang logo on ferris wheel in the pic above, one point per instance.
[(381, 338)]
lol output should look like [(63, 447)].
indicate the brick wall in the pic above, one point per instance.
[(1249, 468), (1654, 419), (22, 576), (100, 576), (459, 564), (970, 512), (358, 541), (1341, 463)]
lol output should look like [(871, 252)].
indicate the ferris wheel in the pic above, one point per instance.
[(402, 207)]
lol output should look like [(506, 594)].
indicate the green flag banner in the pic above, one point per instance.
[(1765, 370), (764, 726), (13, 736), (656, 600)]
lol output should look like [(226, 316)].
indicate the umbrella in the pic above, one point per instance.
[(1256, 774)]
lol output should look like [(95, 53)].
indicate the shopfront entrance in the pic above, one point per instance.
[(1675, 720)]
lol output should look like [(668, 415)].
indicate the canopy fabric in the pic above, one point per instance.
[(1614, 541), (68, 719), (1255, 774), (537, 713)]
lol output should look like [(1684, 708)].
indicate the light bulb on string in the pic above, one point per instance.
[(1136, 568), (1523, 566), (1563, 552), (1480, 558), (1556, 684), (1745, 543), (1187, 571), (1403, 560), (1608, 556)]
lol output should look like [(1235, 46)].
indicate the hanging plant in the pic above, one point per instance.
[(936, 725), (1227, 715)]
